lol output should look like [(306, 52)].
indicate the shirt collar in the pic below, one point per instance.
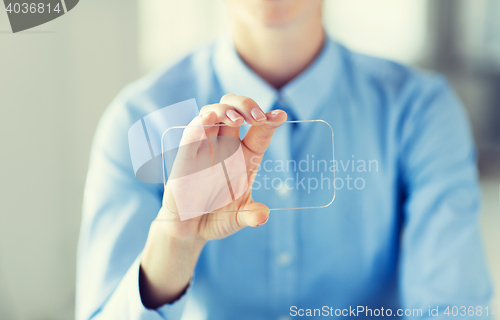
[(304, 94)]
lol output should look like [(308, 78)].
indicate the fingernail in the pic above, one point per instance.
[(233, 116), (257, 114), (263, 223), (275, 112)]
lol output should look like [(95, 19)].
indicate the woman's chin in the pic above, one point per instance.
[(280, 13)]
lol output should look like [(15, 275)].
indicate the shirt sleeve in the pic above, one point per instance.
[(117, 212), (442, 262)]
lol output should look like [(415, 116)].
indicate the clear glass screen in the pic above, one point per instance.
[(218, 168)]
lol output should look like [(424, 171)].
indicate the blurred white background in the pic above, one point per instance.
[(56, 80), (388, 28)]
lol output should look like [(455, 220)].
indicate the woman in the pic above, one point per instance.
[(407, 238)]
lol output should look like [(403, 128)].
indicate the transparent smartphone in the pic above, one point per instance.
[(213, 168)]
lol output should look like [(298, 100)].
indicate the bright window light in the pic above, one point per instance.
[(169, 29), (394, 29)]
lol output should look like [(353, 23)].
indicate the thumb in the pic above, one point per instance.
[(258, 138), (255, 215)]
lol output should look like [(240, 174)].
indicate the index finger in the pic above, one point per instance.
[(258, 138), (247, 107)]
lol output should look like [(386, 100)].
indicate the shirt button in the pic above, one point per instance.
[(284, 259)]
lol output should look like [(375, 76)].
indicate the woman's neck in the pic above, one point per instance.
[(279, 54)]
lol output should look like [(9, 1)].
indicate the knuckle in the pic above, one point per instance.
[(248, 103), (226, 96), (225, 106), (266, 135), (205, 108), (210, 107)]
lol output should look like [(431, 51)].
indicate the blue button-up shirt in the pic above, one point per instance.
[(402, 232)]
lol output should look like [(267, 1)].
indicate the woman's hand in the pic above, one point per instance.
[(243, 212), (173, 246)]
